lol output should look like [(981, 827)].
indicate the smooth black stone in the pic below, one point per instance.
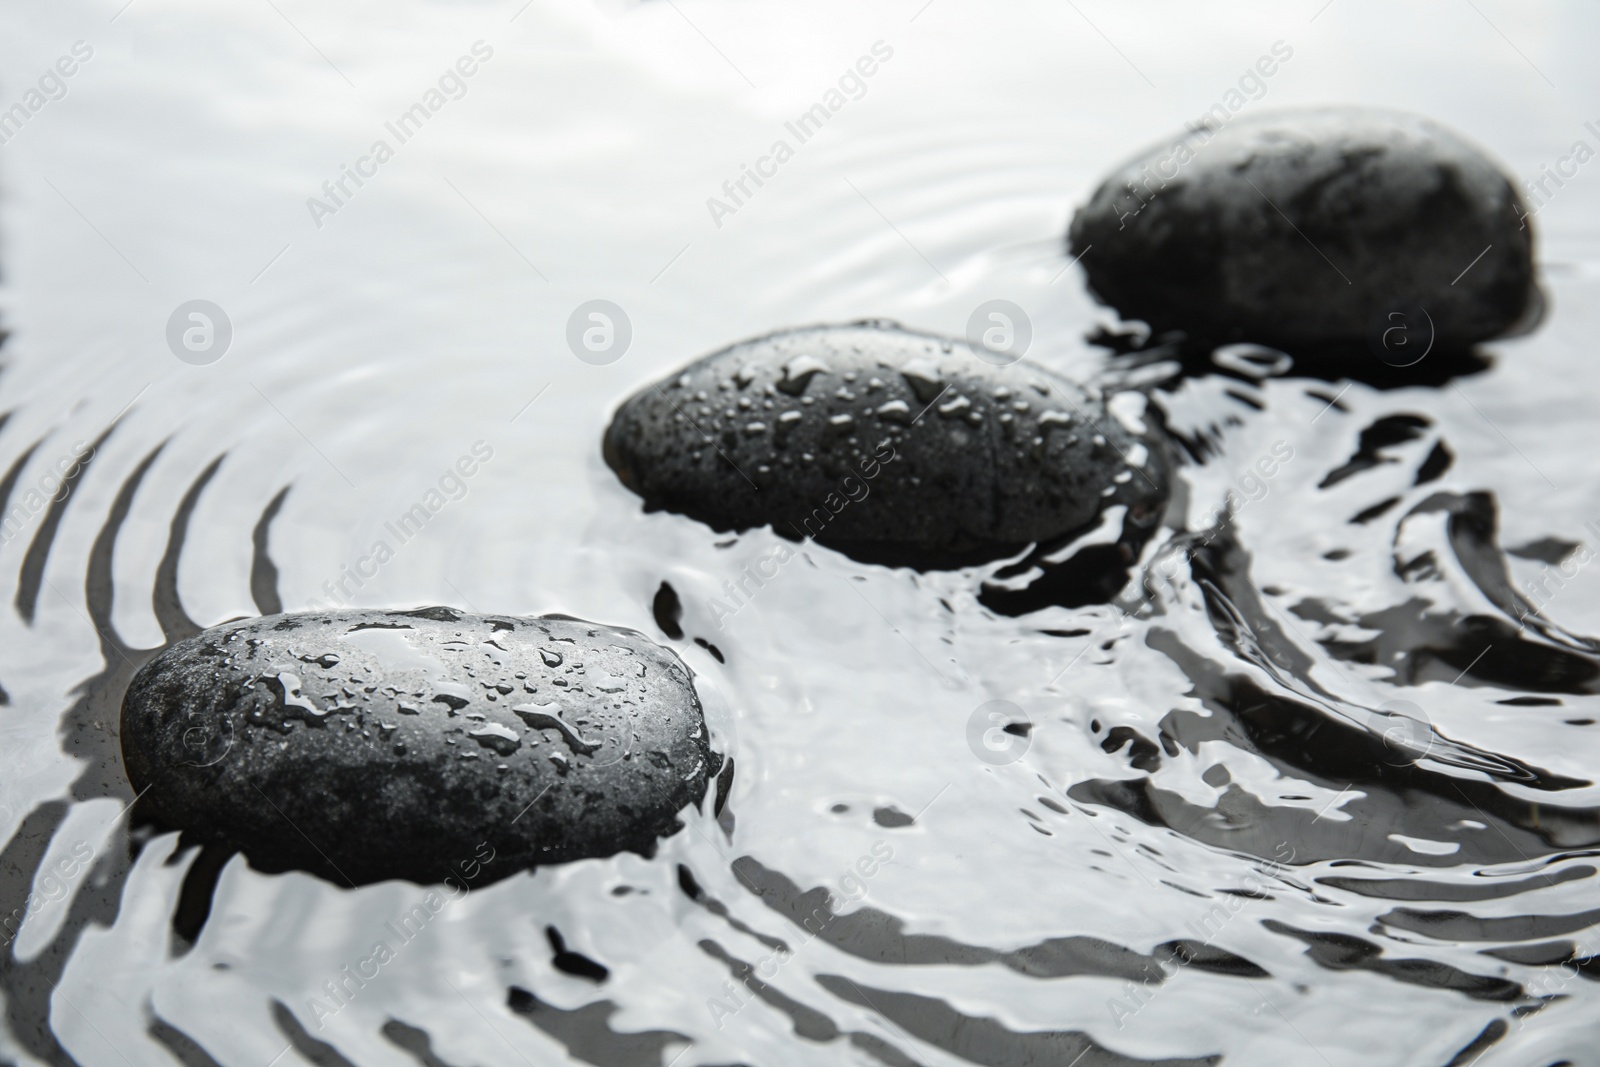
[(884, 443), (365, 745), (1312, 226)]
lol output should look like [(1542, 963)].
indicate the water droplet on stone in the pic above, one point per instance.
[(924, 379), (895, 411), (492, 735), (798, 372)]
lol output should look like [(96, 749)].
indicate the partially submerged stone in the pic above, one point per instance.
[(1314, 225), (885, 443), (364, 745)]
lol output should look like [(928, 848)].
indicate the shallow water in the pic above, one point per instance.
[(1206, 761)]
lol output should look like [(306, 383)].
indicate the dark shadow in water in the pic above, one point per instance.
[(1335, 362), (668, 611), (1417, 889), (1091, 575), (874, 935), (1474, 1049), (693, 890), (1343, 952), (89, 732), (32, 575), (587, 1035), (8, 485), (413, 1040), (1437, 635), (1461, 926), (574, 963), (983, 1040), (175, 622), (314, 1051), (194, 898), (1266, 701), (264, 572), (185, 1049), (917, 559), (1386, 432), (809, 1023)]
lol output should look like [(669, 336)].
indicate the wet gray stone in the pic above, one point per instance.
[(1305, 226), (364, 745), (885, 443)]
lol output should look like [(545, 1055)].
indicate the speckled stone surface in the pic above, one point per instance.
[(873, 439), (1304, 226), (364, 745)]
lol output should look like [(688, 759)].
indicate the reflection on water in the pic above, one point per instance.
[(1317, 784)]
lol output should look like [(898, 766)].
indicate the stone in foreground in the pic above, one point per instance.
[(886, 444), (1309, 226), (365, 745)]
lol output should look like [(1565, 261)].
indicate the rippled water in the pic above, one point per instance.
[(1316, 788)]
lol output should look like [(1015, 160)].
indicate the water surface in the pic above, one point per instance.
[(1206, 848)]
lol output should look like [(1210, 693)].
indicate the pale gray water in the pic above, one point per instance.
[(425, 314)]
